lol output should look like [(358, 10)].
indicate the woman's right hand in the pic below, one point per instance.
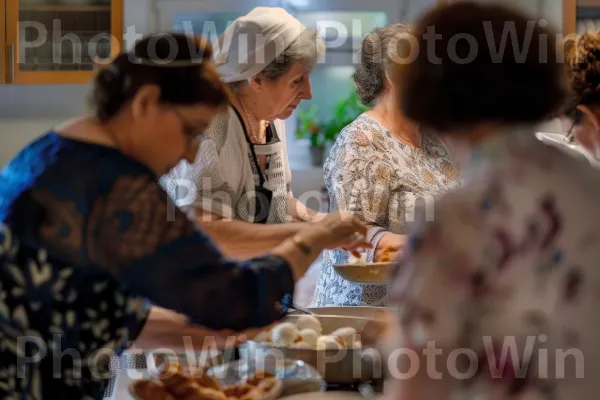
[(338, 230)]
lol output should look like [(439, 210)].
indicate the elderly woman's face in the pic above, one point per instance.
[(279, 98)]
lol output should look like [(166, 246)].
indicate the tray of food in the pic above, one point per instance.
[(331, 344), (359, 270), (173, 383)]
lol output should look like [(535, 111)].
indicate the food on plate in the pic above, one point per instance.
[(297, 335), (348, 335), (309, 322), (357, 260), (285, 334), (309, 337), (174, 384), (330, 343), (207, 381), (388, 254), (150, 390), (302, 346)]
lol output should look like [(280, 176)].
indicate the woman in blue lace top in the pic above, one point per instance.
[(88, 237)]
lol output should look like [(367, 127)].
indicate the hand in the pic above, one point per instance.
[(340, 229), (391, 244)]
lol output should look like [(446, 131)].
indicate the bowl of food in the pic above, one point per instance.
[(331, 344), (359, 270), (173, 383), (350, 311)]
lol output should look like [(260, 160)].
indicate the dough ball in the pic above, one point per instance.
[(284, 334), (309, 336), (348, 335), (330, 343), (309, 322)]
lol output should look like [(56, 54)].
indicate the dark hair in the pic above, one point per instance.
[(375, 57), (464, 87), (582, 61), (179, 64)]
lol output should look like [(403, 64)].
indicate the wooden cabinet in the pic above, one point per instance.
[(569, 16), (3, 48), (59, 41)]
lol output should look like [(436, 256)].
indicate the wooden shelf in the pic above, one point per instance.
[(64, 8)]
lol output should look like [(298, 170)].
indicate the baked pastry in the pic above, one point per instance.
[(207, 381), (285, 334), (149, 390), (237, 391), (174, 384)]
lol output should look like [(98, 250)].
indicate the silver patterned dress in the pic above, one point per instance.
[(384, 182)]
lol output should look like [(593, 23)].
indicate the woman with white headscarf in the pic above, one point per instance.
[(239, 187)]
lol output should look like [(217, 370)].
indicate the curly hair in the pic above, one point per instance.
[(376, 52), (582, 62)]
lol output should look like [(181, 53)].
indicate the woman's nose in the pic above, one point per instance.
[(307, 90)]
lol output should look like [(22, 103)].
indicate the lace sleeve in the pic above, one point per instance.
[(159, 254)]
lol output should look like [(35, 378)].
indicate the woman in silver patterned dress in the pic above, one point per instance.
[(382, 169)]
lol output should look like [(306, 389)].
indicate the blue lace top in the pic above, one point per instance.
[(87, 239)]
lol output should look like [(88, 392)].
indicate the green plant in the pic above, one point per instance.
[(323, 133), (346, 111), (309, 128)]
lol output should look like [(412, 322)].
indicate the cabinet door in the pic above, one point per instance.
[(61, 41), (3, 46)]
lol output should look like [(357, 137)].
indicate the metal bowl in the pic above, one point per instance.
[(335, 366)]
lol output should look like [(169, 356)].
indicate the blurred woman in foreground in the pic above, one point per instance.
[(511, 258), (85, 238)]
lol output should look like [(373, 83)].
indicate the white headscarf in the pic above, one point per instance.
[(255, 40)]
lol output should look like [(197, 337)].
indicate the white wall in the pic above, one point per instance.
[(26, 111)]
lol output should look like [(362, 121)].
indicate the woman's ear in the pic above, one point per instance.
[(389, 80), (145, 101), (256, 83)]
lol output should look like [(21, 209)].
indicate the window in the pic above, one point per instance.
[(342, 30), (209, 25)]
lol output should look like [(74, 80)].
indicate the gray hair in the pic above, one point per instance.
[(308, 48)]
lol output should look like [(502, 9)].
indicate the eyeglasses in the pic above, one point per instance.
[(190, 131)]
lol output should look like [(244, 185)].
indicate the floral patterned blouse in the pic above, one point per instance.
[(507, 272), (383, 181)]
